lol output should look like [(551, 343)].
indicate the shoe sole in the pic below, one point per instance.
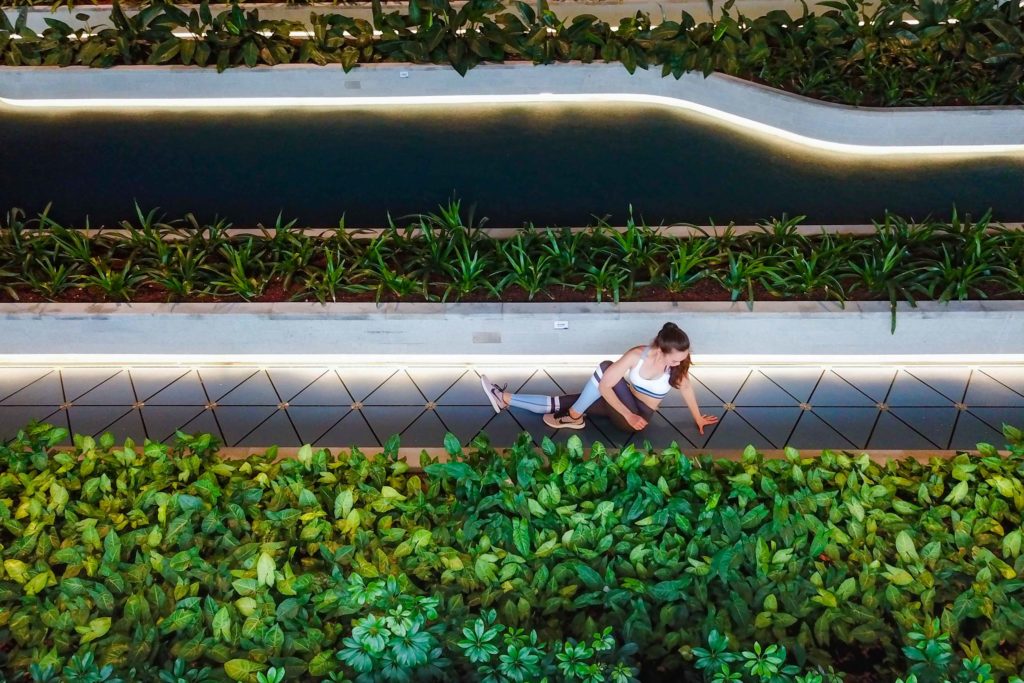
[(564, 425), (486, 384)]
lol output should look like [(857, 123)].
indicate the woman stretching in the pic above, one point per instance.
[(628, 391)]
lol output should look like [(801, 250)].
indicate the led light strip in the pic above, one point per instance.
[(449, 361), (535, 98)]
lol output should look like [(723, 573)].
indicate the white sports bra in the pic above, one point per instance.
[(655, 388)]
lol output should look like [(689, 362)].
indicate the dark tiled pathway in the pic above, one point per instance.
[(812, 407)]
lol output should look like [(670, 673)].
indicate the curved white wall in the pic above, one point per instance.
[(948, 130)]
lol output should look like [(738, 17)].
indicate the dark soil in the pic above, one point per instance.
[(703, 290)]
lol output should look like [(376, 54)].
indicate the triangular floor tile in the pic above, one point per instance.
[(432, 382), (466, 422), (116, 391), (288, 382), (237, 421), (388, 420), (934, 423), (426, 432), (723, 382), (203, 423), (735, 434), (467, 391), (94, 420), (797, 381), (873, 381), (997, 417), (985, 391), (814, 435), (168, 386), (315, 421), (705, 397), (14, 418), (950, 381), (513, 376), (162, 421), (351, 431), (531, 423), (543, 385), (890, 434), (16, 379), (970, 431), (360, 382), (255, 391), (661, 432), (833, 390), (219, 381), (907, 390), (277, 430), (775, 424), (399, 390), (129, 426), (682, 422), (855, 424), (761, 391), (328, 390), (571, 380), (44, 391), (1012, 376), (77, 381)]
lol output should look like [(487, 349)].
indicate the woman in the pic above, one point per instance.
[(628, 391)]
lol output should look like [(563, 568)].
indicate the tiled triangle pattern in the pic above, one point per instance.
[(842, 407)]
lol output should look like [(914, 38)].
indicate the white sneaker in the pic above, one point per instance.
[(494, 393)]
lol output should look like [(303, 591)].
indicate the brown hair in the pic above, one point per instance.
[(670, 339)]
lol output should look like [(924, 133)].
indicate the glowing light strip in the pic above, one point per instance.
[(534, 98), (490, 361)]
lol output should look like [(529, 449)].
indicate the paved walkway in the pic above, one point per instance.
[(812, 407)]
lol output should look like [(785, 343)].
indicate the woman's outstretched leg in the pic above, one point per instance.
[(500, 398)]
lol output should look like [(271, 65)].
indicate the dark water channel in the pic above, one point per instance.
[(550, 164)]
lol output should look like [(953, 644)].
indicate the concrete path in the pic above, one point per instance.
[(879, 407)]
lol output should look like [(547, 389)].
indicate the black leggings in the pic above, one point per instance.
[(601, 407)]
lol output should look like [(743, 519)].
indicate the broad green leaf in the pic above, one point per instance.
[(521, 536), (905, 547), (243, 669), (343, 504), (266, 570), (305, 455), (390, 493), (97, 628)]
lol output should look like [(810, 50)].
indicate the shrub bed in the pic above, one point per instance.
[(505, 566), (891, 53), (443, 257)]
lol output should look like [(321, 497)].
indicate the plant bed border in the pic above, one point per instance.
[(721, 331), (753, 109)]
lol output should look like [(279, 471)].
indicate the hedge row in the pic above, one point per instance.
[(892, 52), (492, 566)]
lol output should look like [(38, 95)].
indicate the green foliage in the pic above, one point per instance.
[(555, 563), (885, 53), (438, 257)]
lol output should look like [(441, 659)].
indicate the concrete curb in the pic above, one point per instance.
[(445, 331), (747, 107)]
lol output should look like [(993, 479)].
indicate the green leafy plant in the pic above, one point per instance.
[(121, 560), (884, 54)]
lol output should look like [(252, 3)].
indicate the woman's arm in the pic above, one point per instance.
[(690, 398), (615, 372)]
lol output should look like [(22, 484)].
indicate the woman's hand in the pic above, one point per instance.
[(636, 422), (705, 420)]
